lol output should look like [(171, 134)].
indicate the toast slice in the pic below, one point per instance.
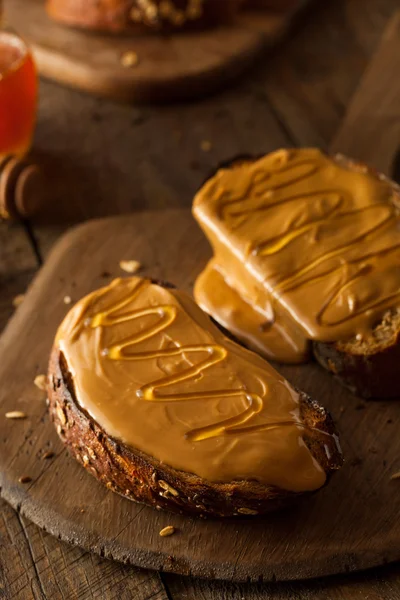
[(206, 447), (238, 290)]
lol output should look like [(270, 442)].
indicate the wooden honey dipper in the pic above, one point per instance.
[(22, 187)]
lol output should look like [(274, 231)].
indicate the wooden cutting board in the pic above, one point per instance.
[(171, 67), (352, 524)]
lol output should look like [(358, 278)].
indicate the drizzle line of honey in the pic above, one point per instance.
[(383, 215), (214, 354)]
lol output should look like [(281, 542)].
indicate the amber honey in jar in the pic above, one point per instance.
[(18, 91)]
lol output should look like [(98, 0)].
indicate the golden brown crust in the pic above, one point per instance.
[(369, 375), (142, 478), (118, 16)]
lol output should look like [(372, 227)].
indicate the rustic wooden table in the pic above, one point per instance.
[(103, 158)]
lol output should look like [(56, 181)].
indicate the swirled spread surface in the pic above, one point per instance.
[(305, 248), (152, 369)]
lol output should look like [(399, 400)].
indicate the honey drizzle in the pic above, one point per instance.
[(271, 246), (216, 353)]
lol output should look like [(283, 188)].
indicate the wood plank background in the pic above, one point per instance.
[(95, 151)]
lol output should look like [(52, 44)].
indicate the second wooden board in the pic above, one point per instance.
[(187, 65), (352, 524)]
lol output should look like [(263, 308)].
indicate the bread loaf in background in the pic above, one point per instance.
[(121, 16)]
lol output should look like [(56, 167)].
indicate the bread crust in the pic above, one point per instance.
[(373, 375), (115, 16), (140, 477)]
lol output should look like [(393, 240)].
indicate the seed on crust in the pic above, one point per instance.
[(61, 415), (395, 476), (15, 414), (331, 366), (41, 382), (247, 511), (165, 486), (167, 531), (48, 455)]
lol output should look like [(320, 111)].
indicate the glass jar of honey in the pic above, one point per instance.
[(18, 93)]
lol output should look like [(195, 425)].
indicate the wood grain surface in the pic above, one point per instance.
[(313, 78), (374, 112), (169, 67), (37, 566), (332, 532)]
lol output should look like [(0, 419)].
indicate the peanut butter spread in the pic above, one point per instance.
[(305, 248), (152, 369)]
